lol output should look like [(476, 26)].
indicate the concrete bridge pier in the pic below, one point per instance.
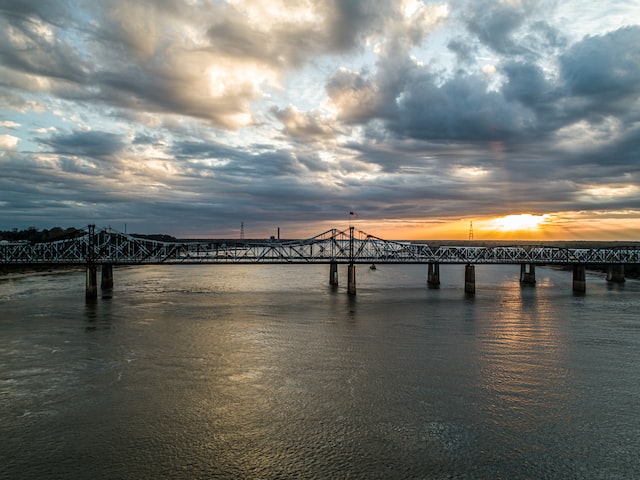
[(106, 281), (579, 279), (91, 292), (433, 275), (527, 277), (615, 273), (470, 279), (333, 273), (351, 285)]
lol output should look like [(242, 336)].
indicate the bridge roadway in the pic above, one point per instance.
[(107, 247)]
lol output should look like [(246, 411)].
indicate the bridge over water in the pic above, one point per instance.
[(105, 247)]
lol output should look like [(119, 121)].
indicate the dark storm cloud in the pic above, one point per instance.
[(265, 166), (495, 24), (510, 28), (144, 139), (460, 109), (599, 76), (194, 149), (463, 48), (34, 192), (28, 44), (605, 70), (525, 84), (462, 117), (349, 20), (246, 163), (339, 28), (161, 88), (92, 144), (52, 12)]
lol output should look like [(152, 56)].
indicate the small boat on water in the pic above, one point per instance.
[(372, 267)]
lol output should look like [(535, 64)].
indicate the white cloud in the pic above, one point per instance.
[(8, 142), (43, 130), (489, 69), (10, 124)]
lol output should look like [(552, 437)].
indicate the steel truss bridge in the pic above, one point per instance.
[(106, 246)]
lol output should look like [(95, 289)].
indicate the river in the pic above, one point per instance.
[(268, 372)]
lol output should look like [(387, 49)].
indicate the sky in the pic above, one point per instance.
[(516, 119)]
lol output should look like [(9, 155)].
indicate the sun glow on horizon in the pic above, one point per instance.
[(553, 226), (517, 223)]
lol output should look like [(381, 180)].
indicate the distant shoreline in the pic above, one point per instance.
[(12, 272)]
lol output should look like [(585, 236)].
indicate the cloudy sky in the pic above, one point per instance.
[(190, 117)]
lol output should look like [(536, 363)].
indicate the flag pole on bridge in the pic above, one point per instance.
[(352, 215)]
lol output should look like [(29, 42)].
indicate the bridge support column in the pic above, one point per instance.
[(91, 292), (470, 279), (579, 279), (433, 275), (615, 273), (106, 281), (333, 273), (527, 277), (351, 285)]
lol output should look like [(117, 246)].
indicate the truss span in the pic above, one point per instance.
[(107, 246)]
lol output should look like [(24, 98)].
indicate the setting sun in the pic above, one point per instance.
[(515, 223)]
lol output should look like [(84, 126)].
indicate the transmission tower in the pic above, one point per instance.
[(241, 230), (471, 230)]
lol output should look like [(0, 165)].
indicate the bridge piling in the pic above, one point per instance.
[(106, 281), (91, 292), (527, 277), (351, 283), (333, 273), (433, 275), (579, 279), (470, 279), (615, 273)]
